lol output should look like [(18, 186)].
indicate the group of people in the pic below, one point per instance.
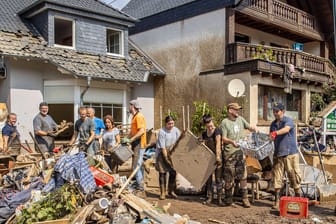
[(96, 136), (230, 159)]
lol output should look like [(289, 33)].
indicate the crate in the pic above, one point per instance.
[(294, 207), (121, 154), (101, 177), (257, 145)]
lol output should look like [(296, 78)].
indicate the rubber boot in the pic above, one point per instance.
[(209, 194), (246, 202), (172, 184), (219, 197), (162, 181), (228, 197), (277, 201)]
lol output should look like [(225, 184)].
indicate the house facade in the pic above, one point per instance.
[(71, 53), (251, 52)]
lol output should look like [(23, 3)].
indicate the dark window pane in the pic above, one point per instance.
[(63, 32)]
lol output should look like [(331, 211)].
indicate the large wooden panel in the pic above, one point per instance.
[(193, 160)]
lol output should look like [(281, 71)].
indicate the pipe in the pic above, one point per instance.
[(85, 90)]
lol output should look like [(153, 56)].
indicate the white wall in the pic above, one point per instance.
[(144, 93)]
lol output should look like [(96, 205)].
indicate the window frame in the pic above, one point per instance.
[(102, 106), (265, 102), (73, 33), (121, 42)]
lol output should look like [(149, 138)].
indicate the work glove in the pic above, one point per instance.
[(273, 135), (83, 147), (126, 140), (168, 161)]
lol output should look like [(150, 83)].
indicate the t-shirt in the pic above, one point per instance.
[(167, 138), (138, 121), (9, 130), (99, 125), (233, 130), (210, 141), (84, 128), (44, 123), (284, 144), (109, 138)]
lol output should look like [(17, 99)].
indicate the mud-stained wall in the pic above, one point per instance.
[(184, 49)]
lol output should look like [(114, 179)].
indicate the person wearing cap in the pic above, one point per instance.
[(286, 157), (234, 160), (137, 138), (44, 129)]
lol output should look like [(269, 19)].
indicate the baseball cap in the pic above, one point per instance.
[(135, 103), (278, 106), (235, 106)]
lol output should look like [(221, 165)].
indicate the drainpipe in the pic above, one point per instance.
[(85, 90)]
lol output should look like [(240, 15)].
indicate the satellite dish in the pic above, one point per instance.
[(236, 88)]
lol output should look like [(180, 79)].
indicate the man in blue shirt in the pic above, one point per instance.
[(286, 157), (100, 127), (10, 135)]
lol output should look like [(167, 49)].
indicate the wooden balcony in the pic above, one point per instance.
[(312, 68), (277, 17)]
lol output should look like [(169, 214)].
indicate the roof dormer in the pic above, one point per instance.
[(85, 26)]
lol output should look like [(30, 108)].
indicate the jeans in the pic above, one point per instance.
[(138, 160)]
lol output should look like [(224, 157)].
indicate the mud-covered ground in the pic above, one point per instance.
[(260, 211)]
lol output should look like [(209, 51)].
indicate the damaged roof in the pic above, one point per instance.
[(21, 39)]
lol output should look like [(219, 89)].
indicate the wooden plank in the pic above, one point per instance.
[(193, 160), (57, 221), (81, 216)]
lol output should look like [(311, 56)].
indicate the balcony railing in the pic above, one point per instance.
[(281, 14), (238, 52)]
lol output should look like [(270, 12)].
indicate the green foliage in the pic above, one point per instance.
[(201, 108), (171, 113), (264, 54), (317, 104), (55, 205)]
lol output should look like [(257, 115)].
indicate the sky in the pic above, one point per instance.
[(118, 4)]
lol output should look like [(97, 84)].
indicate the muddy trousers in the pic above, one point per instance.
[(171, 183), (219, 186)]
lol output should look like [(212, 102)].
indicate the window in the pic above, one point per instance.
[(63, 32), (269, 95), (114, 42), (242, 38), (104, 109), (278, 45)]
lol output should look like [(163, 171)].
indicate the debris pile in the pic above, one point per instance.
[(65, 188)]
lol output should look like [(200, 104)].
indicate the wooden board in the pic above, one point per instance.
[(193, 160), (57, 221)]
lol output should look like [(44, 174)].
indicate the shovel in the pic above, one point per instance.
[(327, 191)]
